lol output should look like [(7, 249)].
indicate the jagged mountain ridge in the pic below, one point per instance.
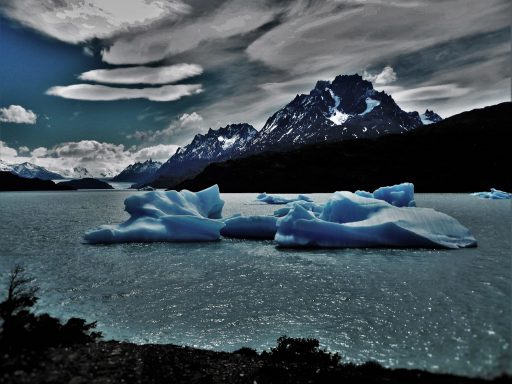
[(139, 171), (30, 171), (346, 108), (214, 146), (466, 152), (430, 117)]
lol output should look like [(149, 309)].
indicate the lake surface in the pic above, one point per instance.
[(441, 310)]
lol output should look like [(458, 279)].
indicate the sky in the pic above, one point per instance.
[(105, 83)]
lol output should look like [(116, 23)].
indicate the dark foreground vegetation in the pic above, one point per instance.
[(40, 349), (467, 152), (11, 182)]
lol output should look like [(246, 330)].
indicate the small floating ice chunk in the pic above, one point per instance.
[(166, 216), (352, 221), (307, 205), (250, 227), (399, 195), (276, 199), (494, 194)]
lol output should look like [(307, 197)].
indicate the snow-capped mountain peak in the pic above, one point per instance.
[(430, 117), (29, 171), (138, 172), (347, 107), (214, 146)]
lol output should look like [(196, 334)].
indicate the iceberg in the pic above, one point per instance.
[(494, 194), (276, 199), (384, 218), (250, 227), (166, 216), (349, 220), (307, 205), (399, 195)]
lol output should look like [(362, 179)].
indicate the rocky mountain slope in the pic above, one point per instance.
[(463, 153)]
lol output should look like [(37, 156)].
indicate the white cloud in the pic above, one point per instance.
[(7, 153), (179, 131), (143, 75), (39, 152), (75, 21), (17, 114), (160, 152), (98, 158), (88, 51), (190, 118), (386, 76), (232, 18), (429, 92), (105, 93), (23, 150)]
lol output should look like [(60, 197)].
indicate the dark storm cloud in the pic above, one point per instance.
[(257, 55)]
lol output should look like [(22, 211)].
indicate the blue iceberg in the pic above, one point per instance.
[(349, 220), (384, 218), (307, 205), (494, 194), (400, 195), (276, 199), (166, 216)]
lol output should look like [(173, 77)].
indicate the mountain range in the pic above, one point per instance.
[(29, 171), (225, 143), (346, 108), (138, 172), (464, 153)]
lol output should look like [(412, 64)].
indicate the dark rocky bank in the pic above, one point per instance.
[(87, 183), (115, 362), (11, 182)]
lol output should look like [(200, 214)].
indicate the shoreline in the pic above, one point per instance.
[(114, 362)]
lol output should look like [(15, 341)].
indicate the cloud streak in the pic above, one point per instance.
[(143, 75), (17, 114), (178, 131), (104, 93), (75, 21)]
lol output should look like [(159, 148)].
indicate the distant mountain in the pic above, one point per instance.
[(346, 108), (11, 182), (80, 172), (86, 183), (430, 117), (138, 172), (214, 146), (463, 153), (29, 171)]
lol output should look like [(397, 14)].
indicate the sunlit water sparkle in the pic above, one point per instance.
[(441, 310)]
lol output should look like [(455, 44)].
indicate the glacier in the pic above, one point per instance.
[(494, 194), (276, 199), (384, 218), (353, 221), (166, 216)]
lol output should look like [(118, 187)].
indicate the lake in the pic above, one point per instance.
[(441, 310)]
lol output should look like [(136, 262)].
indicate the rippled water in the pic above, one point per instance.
[(441, 310)]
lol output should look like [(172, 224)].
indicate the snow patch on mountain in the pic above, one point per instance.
[(370, 105)]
